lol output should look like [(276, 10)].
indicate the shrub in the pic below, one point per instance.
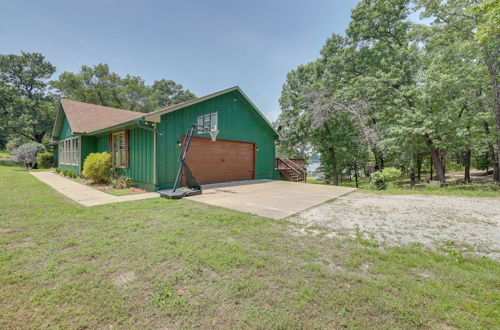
[(97, 167), (379, 179), (27, 153), (15, 143), (45, 159), (58, 170), (121, 182), (69, 173)]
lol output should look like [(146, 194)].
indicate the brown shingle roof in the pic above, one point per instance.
[(86, 117)]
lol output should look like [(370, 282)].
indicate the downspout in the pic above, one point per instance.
[(80, 161), (154, 155)]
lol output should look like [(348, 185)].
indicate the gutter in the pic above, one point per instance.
[(122, 124)]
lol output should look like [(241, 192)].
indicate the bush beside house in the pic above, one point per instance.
[(45, 160), (97, 167), (27, 153)]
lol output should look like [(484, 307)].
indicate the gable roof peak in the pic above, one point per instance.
[(86, 117), (154, 116)]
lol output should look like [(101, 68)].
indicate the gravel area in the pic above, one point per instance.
[(472, 224)]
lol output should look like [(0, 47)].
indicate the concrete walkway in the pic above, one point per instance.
[(83, 194), (273, 199)]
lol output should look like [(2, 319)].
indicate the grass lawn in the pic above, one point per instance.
[(163, 263), (402, 187)]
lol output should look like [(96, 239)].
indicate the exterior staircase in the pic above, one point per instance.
[(292, 169)]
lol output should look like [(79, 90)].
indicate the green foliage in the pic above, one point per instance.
[(488, 14), (120, 181), (482, 162), (58, 170), (97, 167), (69, 173), (27, 153), (379, 179), (15, 142), (45, 159), (28, 108), (98, 85), (454, 167), (390, 91)]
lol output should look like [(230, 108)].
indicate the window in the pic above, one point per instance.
[(207, 122), (69, 152), (119, 149)]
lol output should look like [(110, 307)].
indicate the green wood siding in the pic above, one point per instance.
[(65, 130), (237, 120), (141, 155), (65, 133)]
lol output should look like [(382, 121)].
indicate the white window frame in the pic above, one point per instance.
[(69, 151), (207, 122)]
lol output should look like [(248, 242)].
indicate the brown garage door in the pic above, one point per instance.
[(222, 160)]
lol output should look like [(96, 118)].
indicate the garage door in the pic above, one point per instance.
[(222, 160)]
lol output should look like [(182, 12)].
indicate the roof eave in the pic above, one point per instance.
[(124, 123), (58, 122)]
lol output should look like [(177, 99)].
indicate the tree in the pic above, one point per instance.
[(167, 92), (294, 121), (98, 85), (26, 104), (473, 20)]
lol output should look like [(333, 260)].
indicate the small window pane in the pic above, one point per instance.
[(122, 157)]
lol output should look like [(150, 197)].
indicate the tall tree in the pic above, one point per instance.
[(26, 104), (469, 20), (97, 84)]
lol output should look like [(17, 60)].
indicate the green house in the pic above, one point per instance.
[(146, 146)]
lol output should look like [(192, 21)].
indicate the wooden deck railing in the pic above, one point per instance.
[(292, 169)]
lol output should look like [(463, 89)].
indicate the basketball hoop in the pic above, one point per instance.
[(213, 133)]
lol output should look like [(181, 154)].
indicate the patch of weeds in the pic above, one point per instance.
[(169, 299), (363, 241), (454, 251), (239, 287), (70, 243)]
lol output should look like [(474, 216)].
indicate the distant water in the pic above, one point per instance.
[(313, 167)]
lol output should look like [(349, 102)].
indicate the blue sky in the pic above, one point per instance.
[(204, 45)]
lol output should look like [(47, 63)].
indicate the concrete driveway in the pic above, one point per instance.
[(268, 198)]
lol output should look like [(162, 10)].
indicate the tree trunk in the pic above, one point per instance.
[(412, 176), (430, 165), (412, 169), (466, 157), (419, 166), (442, 156), (493, 155), (491, 59), (379, 159), (436, 156), (356, 173), (335, 174)]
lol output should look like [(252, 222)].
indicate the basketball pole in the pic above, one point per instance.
[(185, 148)]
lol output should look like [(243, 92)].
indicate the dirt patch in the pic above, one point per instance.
[(471, 223), (123, 278)]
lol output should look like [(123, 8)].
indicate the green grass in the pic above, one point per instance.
[(402, 187), (162, 263), (121, 192)]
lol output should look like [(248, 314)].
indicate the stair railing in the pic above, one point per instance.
[(302, 173)]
